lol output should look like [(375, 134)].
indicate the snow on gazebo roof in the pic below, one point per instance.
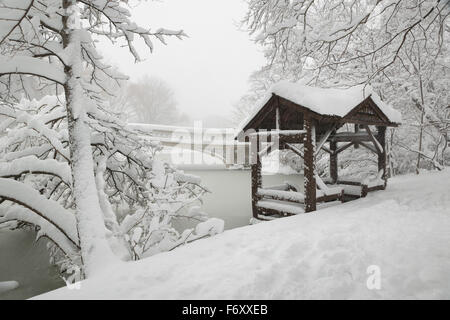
[(325, 101)]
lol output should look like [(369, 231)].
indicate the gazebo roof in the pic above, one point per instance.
[(345, 105)]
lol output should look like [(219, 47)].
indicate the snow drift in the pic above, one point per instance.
[(404, 231)]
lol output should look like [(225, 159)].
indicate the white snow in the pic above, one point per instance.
[(326, 189), (47, 209), (8, 286), (325, 101), (352, 190), (280, 194), (32, 66), (404, 231), (33, 164), (278, 132), (210, 227), (293, 208)]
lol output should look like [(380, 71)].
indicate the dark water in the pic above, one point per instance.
[(26, 261)]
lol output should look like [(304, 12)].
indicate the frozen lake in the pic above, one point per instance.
[(230, 197), (25, 261)]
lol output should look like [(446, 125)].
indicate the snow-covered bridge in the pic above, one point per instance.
[(216, 142)]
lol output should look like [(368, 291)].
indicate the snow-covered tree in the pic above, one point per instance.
[(52, 42), (399, 47), (335, 33), (138, 195)]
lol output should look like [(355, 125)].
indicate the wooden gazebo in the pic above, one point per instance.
[(306, 120)]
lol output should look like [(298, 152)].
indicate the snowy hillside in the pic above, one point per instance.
[(403, 232)]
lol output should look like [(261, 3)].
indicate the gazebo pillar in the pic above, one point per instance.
[(381, 137), (309, 164), (333, 162), (255, 174)]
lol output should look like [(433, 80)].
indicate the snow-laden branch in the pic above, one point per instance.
[(117, 17), (12, 13), (337, 33), (52, 40), (31, 164), (31, 66), (46, 228), (36, 123), (26, 196)]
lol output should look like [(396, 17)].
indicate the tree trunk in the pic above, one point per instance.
[(421, 116), (95, 251), (420, 136)]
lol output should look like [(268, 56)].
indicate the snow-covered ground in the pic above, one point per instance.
[(401, 234)]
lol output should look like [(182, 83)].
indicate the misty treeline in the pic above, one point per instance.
[(147, 100), (399, 47), (69, 167)]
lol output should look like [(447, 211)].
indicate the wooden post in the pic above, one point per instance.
[(277, 119), (356, 145), (309, 165), (381, 137), (256, 177), (333, 161)]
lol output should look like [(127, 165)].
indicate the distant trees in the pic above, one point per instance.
[(151, 100)]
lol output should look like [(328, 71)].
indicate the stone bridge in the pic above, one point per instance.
[(216, 142)]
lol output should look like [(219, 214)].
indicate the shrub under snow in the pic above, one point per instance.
[(139, 196)]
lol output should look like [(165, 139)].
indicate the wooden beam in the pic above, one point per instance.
[(370, 148), (309, 164), (350, 137), (289, 136), (333, 162), (277, 118), (323, 140), (342, 148), (326, 149), (374, 140), (293, 138), (265, 151), (381, 137), (262, 114), (372, 123), (296, 150), (356, 146)]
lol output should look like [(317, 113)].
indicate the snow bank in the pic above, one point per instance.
[(210, 227), (404, 232)]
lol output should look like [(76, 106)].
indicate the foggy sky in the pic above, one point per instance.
[(207, 71)]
